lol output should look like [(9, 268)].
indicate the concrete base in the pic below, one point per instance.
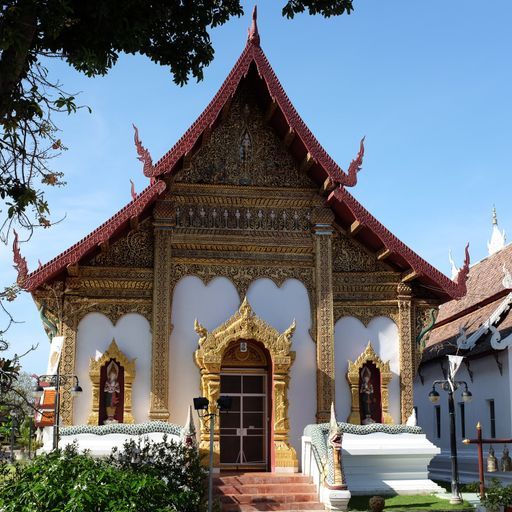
[(333, 500), (99, 445), (381, 463)]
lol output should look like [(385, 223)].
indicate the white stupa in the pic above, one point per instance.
[(498, 238)]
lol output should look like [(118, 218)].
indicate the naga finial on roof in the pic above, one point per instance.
[(143, 154), (462, 276), (20, 263), (349, 179), (132, 190), (254, 36)]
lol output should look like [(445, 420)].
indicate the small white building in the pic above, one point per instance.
[(478, 327)]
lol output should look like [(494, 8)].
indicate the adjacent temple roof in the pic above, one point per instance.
[(465, 325), (309, 155)]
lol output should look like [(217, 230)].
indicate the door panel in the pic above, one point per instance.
[(243, 429)]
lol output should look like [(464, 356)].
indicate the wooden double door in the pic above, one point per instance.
[(244, 429)]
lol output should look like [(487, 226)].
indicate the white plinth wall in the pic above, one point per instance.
[(381, 463)]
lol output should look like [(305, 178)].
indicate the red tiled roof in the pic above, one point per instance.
[(485, 291), (251, 54), (484, 281), (44, 415), (101, 234), (430, 276), (374, 235)]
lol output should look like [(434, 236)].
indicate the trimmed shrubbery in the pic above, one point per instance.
[(144, 476)]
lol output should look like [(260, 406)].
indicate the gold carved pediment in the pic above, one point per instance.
[(243, 325)]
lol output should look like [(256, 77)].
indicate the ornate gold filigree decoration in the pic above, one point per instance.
[(218, 161), (161, 327), (133, 250), (407, 349), (325, 321), (354, 369), (350, 256), (252, 356), (95, 366), (245, 325), (365, 313)]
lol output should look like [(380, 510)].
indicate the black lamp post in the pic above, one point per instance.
[(56, 381), (201, 406), (450, 386)]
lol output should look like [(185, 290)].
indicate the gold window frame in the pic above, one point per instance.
[(95, 366), (354, 369)]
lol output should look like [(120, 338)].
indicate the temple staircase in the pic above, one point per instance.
[(250, 492)]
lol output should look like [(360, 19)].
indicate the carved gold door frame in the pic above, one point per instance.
[(353, 373), (245, 325)]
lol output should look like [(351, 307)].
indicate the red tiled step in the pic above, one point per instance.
[(269, 498), (260, 478), (237, 488), (248, 492), (278, 507)]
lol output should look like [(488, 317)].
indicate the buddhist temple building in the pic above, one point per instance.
[(245, 268)]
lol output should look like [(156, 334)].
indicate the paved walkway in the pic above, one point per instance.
[(471, 497)]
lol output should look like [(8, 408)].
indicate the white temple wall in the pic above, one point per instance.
[(212, 305), (487, 385), (133, 337), (350, 339), (278, 306), (216, 302)]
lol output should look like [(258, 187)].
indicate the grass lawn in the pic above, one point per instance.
[(410, 503)]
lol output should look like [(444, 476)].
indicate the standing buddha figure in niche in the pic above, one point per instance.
[(245, 147), (111, 392), (366, 394)]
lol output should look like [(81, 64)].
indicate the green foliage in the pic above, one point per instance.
[(90, 36), (497, 496), (179, 467), (131, 480), (407, 503)]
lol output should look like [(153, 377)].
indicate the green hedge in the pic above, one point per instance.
[(143, 477)]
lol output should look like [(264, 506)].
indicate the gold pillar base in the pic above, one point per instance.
[(204, 453), (285, 458)]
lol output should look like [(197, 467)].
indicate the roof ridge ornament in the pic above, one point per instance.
[(498, 238), (462, 276), (132, 190), (454, 268), (349, 179), (143, 154), (20, 263), (253, 36)]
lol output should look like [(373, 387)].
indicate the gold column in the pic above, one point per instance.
[(324, 313), (67, 362), (161, 327), (210, 388), (285, 456), (407, 349)]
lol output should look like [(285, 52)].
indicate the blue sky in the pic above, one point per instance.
[(428, 83)]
